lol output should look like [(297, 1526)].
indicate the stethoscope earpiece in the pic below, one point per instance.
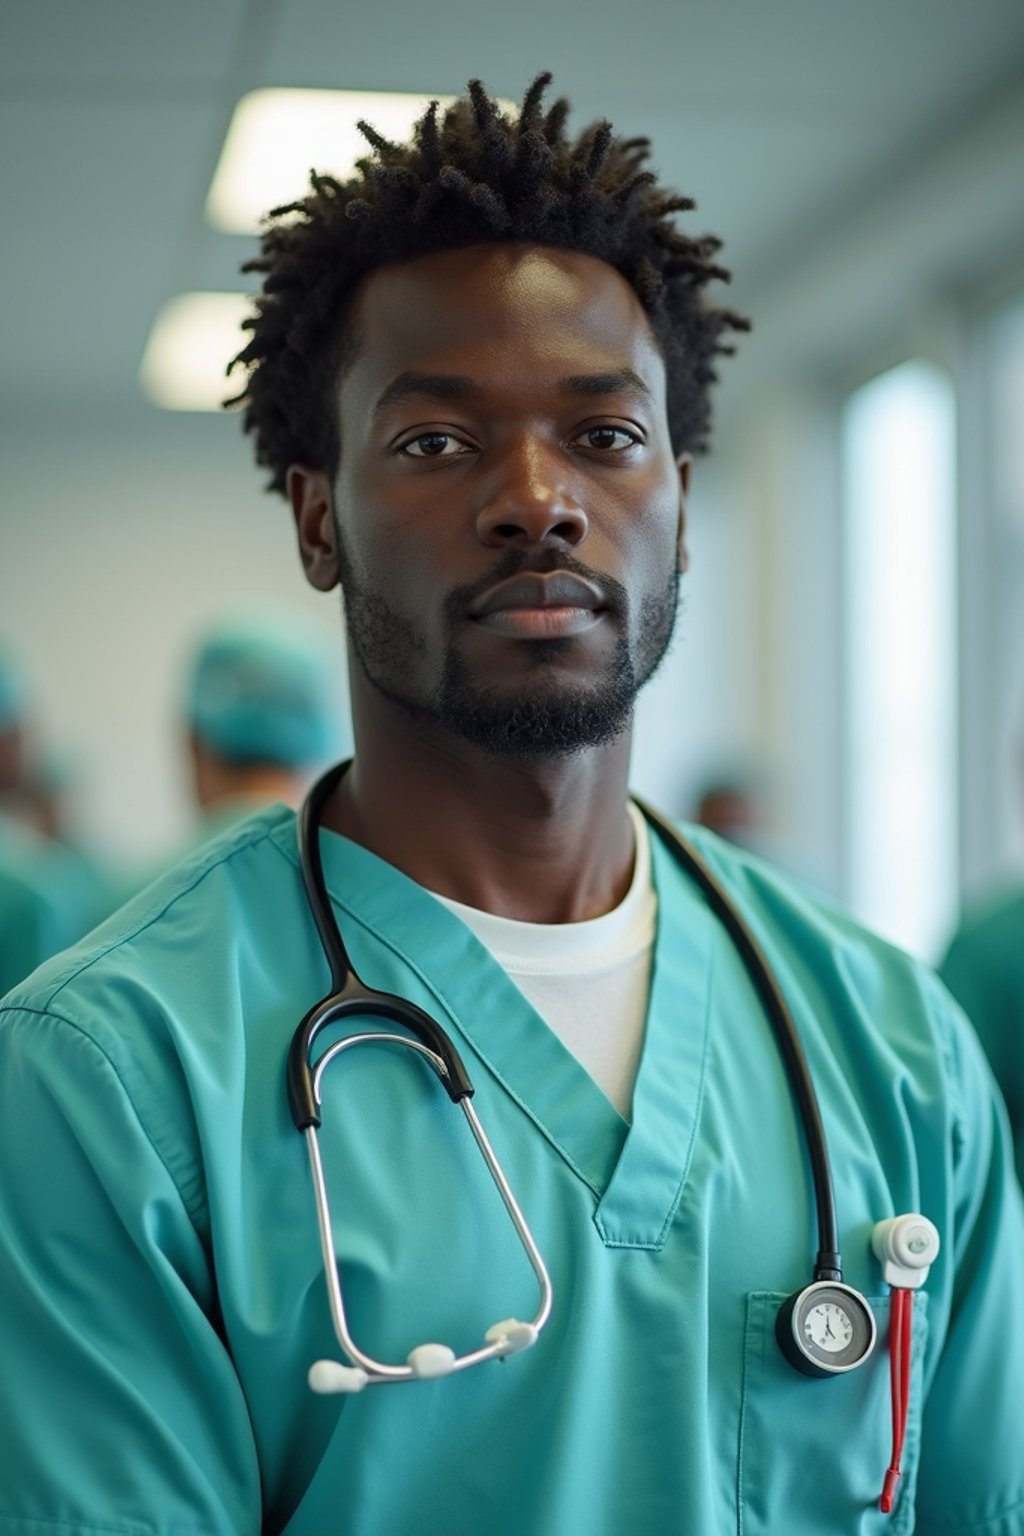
[(329, 1376), (511, 1336)]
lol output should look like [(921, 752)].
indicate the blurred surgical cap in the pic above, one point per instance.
[(264, 689), (13, 692)]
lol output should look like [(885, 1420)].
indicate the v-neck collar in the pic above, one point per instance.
[(641, 1198), (635, 1172)]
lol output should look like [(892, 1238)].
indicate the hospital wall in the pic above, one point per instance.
[(120, 546), (927, 266)]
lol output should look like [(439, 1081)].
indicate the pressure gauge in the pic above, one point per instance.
[(826, 1329)]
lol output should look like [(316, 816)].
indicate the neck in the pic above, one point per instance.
[(545, 841)]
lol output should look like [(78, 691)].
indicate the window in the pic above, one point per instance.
[(898, 450)]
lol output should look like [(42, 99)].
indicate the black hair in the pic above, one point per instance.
[(470, 176)]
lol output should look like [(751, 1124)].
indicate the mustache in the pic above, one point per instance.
[(519, 562)]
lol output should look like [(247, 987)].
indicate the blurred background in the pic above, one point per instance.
[(847, 689)]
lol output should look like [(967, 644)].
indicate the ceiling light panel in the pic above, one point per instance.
[(194, 338), (277, 135)]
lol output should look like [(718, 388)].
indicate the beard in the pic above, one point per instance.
[(550, 715)]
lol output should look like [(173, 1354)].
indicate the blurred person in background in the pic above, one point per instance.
[(45, 795), (13, 725), (984, 969), (46, 802), (40, 907), (736, 803), (479, 371), (49, 897), (730, 806), (260, 715)]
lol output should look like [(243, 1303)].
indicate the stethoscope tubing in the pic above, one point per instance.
[(350, 997), (379, 1372), (828, 1265)]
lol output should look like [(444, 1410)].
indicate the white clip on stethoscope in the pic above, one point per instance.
[(825, 1329)]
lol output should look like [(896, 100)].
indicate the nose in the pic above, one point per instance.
[(530, 500)]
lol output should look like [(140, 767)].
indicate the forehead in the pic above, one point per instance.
[(509, 316)]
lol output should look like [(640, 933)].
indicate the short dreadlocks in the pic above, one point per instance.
[(468, 177)]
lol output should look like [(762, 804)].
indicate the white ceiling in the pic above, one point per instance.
[(780, 116)]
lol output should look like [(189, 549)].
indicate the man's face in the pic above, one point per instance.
[(508, 509)]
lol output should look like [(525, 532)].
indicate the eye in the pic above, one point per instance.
[(608, 439), (434, 445)]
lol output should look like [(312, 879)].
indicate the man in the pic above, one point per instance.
[(479, 372)]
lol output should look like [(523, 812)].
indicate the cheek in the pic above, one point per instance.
[(656, 529), (384, 519), (393, 570), (372, 552)]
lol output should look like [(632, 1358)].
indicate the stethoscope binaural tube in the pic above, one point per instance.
[(803, 1315), (350, 997), (828, 1263)]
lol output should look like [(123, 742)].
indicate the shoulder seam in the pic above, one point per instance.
[(84, 1035), (264, 835)]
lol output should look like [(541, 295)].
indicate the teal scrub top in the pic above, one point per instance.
[(161, 1291), (984, 970)]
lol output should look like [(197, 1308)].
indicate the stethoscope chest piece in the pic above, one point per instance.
[(826, 1329)]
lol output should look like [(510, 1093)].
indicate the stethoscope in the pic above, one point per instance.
[(826, 1329)]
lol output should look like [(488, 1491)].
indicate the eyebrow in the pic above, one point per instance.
[(455, 386), (436, 386), (622, 381)]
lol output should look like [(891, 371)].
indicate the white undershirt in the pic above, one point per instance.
[(588, 981)]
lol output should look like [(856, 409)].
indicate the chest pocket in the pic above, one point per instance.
[(813, 1453)]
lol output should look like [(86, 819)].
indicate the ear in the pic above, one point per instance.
[(684, 464), (309, 491)]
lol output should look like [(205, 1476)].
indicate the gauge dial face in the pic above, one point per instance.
[(826, 1329), (828, 1326)]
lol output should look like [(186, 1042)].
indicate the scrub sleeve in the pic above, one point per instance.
[(121, 1411)]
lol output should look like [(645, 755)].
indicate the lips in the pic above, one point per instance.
[(532, 590)]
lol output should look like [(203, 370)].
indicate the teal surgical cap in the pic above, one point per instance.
[(12, 690), (266, 690)]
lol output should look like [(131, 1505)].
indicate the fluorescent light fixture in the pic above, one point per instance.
[(277, 135), (193, 339)]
